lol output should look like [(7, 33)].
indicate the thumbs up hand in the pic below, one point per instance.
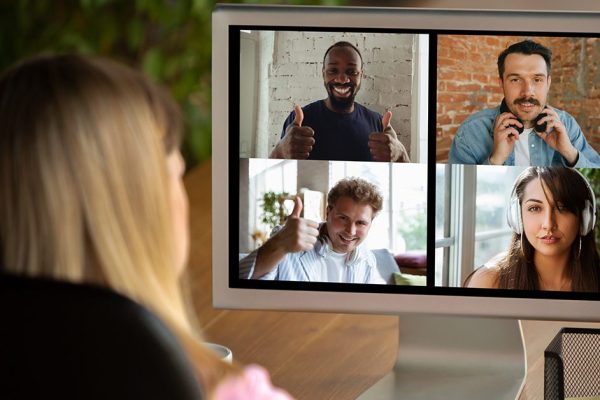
[(385, 121), (298, 140), (298, 115), (298, 234), (385, 146), (298, 206)]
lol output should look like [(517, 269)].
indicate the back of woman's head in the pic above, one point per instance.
[(83, 189)]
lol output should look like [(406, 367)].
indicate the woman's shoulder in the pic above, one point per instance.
[(486, 276), (483, 277)]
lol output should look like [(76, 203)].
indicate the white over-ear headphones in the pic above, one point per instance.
[(588, 214)]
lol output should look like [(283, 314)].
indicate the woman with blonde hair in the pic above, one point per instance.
[(91, 192), (552, 213)]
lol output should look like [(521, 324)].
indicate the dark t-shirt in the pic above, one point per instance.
[(339, 136)]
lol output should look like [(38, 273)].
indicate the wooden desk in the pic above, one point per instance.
[(314, 355)]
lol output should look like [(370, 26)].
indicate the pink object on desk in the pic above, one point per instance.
[(253, 384)]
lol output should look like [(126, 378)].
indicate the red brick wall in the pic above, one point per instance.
[(467, 81)]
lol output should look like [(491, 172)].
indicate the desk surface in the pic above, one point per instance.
[(314, 355)]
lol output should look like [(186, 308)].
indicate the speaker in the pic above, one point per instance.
[(588, 214)]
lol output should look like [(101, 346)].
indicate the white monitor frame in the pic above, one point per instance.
[(361, 301)]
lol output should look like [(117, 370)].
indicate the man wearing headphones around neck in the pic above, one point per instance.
[(524, 129), (304, 250)]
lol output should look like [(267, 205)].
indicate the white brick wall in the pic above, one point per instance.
[(295, 75)]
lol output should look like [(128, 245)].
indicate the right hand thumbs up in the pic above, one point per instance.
[(298, 141), (297, 211), (298, 234)]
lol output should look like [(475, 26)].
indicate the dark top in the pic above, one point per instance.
[(66, 341), (339, 136)]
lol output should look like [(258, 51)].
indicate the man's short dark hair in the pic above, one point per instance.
[(527, 47), (343, 44)]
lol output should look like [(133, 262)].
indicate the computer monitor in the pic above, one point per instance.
[(440, 220)]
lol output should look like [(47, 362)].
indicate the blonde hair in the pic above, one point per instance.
[(83, 185)]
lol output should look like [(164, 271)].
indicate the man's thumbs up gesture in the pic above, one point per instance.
[(298, 234), (385, 146), (298, 140)]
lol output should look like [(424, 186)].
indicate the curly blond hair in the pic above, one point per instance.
[(359, 190)]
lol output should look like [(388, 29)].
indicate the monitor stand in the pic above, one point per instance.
[(444, 357)]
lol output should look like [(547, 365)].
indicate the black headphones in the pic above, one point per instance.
[(539, 128), (588, 214)]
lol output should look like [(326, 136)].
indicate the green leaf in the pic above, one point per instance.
[(152, 63), (135, 33)]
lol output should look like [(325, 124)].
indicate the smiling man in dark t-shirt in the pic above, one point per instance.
[(338, 128)]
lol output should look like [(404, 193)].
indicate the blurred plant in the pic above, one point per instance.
[(593, 177), (273, 213), (170, 40)]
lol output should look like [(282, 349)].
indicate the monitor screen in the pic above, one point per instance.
[(370, 161)]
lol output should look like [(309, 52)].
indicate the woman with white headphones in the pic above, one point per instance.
[(552, 213)]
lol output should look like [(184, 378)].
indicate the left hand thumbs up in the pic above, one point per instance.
[(385, 146)]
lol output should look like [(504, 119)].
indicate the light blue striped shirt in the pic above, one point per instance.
[(310, 266)]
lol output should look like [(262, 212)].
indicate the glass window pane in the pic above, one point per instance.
[(409, 207), (494, 187), (268, 176), (440, 195), (486, 249), (439, 259)]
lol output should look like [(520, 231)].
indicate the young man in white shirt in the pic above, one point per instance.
[(304, 250)]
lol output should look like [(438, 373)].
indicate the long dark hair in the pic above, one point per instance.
[(568, 187)]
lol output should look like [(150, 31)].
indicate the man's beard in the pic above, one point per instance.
[(341, 104)]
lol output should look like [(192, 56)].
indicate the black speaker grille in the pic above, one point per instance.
[(572, 364)]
